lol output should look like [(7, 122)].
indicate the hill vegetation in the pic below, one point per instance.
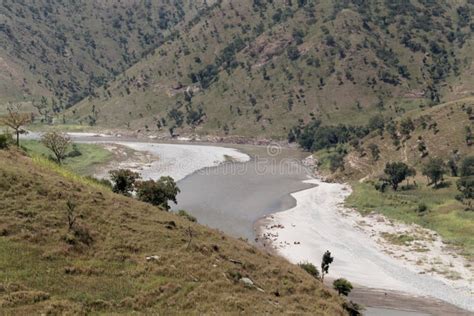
[(265, 66), (64, 50), (426, 150), (69, 245)]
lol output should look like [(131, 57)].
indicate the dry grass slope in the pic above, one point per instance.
[(100, 265)]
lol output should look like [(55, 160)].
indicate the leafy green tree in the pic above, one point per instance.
[(123, 181), (396, 172), (342, 286), (158, 193), (434, 169), (325, 262)]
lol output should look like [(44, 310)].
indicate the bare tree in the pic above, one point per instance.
[(57, 143), (16, 120)]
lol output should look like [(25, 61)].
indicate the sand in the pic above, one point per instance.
[(320, 222)]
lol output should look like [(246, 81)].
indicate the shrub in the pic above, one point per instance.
[(310, 268), (422, 208), (342, 286), (6, 140), (123, 181), (186, 215), (158, 192)]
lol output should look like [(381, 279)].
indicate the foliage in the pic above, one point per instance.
[(342, 286), (186, 215), (123, 181), (6, 140), (159, 192), (310, 268), (325, 262), (434, 169), (58, 143), (16, 120), (396, 172)]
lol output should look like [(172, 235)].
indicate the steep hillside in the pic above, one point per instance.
[(444, 131), (441, 131), (260, 67), (65, 49), (123, 256)]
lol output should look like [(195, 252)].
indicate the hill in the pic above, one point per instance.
[(123, 256), (443, 131), (260, 67), (63, 50)]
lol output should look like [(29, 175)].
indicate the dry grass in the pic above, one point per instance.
[(100, 265)]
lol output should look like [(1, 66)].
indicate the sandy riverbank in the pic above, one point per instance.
[(175, 160), (319, 222)]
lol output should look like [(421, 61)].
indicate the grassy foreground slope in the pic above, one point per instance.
[(100, 264)]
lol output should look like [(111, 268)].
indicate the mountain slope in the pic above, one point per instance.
[(65, 49), (261, 66), (100, 265)]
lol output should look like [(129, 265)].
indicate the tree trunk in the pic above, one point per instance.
[(17, 138)]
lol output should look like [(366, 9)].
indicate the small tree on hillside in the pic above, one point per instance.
[(374, 151), (16, 120), (325, 262), (396, 172), (158, 192), (342, 286), (123, 181), (467, 166), (434, 169), (58, 143)]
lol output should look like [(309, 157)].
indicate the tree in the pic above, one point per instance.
[(158, 192), (123, 181), (434, 169), (465, 184), (16, 120), (374, 151), (377, 122), (58, 143), (467, 166), (293, 53), (325, 262), (406, 127), (342, 286), (396, 172)]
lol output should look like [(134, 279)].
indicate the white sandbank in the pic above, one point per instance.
[(177, 160), (319, 222)]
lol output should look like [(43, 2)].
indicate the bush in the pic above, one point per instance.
[(75, 152), (342, 286), (158, 192), (422, 208), (186, 215), (310, 268), (123, 181), (6, 140)]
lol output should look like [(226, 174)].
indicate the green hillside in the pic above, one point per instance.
[(64, 50), (259, 67)]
